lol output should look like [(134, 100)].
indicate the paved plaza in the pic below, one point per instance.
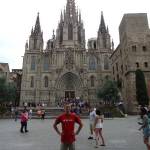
[(119, 133)]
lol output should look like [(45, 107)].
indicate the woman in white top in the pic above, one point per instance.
[(98, 125)]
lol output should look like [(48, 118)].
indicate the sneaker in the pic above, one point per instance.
[(90, 137), (102, 145), (26, 131)]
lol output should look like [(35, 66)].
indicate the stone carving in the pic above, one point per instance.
[(69, 59)]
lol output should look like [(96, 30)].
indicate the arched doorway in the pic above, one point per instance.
[(69, 85)]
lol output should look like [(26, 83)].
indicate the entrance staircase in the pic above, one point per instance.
[(51, 112)]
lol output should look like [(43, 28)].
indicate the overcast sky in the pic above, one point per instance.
[(18, 16)]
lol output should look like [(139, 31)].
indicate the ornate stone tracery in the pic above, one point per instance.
[(69, 59)]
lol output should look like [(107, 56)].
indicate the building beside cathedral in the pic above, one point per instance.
[(4, 71), (65, 68), (132, 53)]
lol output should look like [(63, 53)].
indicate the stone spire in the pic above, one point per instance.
[(70, 31), (37, 28), (112, 43), (36, 37), (102, 27), (70, 9), (53, 36), (103, 39), (61, 17)]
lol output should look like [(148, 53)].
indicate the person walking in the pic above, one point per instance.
[(92, 117), (30, 114), (98, 125), (68, 120), (145, 126), (16, 113), (24, 120)]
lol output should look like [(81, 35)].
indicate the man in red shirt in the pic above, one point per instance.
[(68, 121)]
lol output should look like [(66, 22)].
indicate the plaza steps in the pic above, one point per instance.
[(51, 112)]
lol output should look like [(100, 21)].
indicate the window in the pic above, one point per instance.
[(94, 44), (61, 34), (46, 81), (117, 77), (117, 66), (79, 34), (92, 63), (106, 63), (122, 69), (32, 62), (32, 82), (46, 63), (70, 32), (92, 81), (144, 48), (137, 64), (113, 70), (134, 48), (145, 64), (35, 43), (107, 77), (52, 45)]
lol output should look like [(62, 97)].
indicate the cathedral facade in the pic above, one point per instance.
[(65, 68)]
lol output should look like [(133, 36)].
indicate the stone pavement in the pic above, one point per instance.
[(120, 134)]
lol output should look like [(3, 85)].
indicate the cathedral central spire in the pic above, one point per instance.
[(70, 8), (70, 32)]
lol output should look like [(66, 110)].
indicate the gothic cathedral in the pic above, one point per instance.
[(65, 68)]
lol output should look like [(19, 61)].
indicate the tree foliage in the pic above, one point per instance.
[(141, 90), (7, 91), (109, 91)]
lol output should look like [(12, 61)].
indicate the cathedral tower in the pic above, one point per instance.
[(70, 31), (36, 37), (103, 39)]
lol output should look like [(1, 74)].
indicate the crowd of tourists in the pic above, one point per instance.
[(71, 116), (77, 104)]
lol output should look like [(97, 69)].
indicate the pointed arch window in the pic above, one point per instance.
[(92, 81), (45, 81), (61, 34), (92, 63), (46, 63), (70, 32), (104, 41), (35, 43), (79, 34), (106, 63), (32, 82), (32, 62)]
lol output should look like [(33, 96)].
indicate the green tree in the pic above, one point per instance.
[(109, 91), (141, 90), (7, 91), (3, 89)]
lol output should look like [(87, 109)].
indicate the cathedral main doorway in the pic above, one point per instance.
[(69, 85), (70, 94)]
